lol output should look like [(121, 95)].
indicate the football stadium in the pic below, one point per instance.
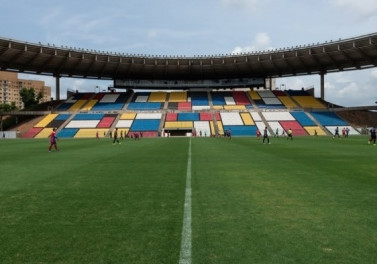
[(189, 160)]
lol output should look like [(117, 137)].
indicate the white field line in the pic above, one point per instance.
[(185, 254)]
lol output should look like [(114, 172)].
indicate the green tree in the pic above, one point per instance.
[(8, 107), (29, 98)]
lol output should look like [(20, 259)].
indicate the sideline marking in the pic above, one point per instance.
[(185, 254)]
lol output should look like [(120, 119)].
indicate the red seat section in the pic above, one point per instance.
[(205, 116), (86, 96), (171, 117), (106, 122), (297, 129), (32, 132), (185, 106), (279, 93), (98, 96), (240, 98)]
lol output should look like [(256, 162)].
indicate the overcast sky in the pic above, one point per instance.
[(198, 27)]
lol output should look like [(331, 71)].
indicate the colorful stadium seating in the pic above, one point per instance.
[(206, 113)]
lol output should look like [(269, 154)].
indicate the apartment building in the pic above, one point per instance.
[(11, 85)]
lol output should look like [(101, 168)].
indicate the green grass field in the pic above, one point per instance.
[(310, 200)]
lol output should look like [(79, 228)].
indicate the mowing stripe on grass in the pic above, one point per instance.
[(185, 254)]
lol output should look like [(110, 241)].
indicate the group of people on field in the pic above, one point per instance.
[(267, 138), (372, 140), (345, 132)]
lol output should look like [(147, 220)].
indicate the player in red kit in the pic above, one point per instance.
[(53, 138)]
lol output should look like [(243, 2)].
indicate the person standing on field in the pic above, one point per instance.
[(265, 136), (116, 136), (53, 139), (372, 132), (289, 133)]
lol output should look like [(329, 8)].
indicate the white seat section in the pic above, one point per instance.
[(256, 117), (276, 125), (83, 124), (124, 123), (266, 93), (270, 100), (229, 100), (231, 119), (351, 132), (202, 126), (200, 107), (278, 116), (141, 99), (109, 98), (71, 100), (148, 116), (261, 127)]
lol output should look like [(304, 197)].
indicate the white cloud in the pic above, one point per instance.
[(261, 42), (351, 92), (360, 8), (374, 74), (250, 5), (152, 33)]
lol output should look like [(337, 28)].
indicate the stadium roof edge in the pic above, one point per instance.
[(331, 56)]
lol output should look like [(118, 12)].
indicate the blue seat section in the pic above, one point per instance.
[(62, 117), (188, 117), (242, 130), (218, 99), (64, 106), (328, 119), (107, 106), (67, 132), (144, 106), (88, 117), (199, 99), (303, 119), (145, 125)]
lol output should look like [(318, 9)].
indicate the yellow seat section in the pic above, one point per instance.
[(287, 101), (254, 95), (179, 124), (212, 126), (311, 130), (46, 120), (159, 97), (77, 105), (89, 105), (220, 128), (308, 101), (218, 107), (234, 107), (128, 116), (44, 133), (91, 132), (177, 97), (247, 119)]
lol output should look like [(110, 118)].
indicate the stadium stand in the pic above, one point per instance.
[(211, 113)]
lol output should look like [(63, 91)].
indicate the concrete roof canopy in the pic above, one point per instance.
[(333, 56)]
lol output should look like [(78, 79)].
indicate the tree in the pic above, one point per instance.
[(29, 98), (8, 107)]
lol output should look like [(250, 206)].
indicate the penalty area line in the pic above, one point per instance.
[(185, 253)]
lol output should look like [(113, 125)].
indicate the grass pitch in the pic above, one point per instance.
[(310, 200)]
